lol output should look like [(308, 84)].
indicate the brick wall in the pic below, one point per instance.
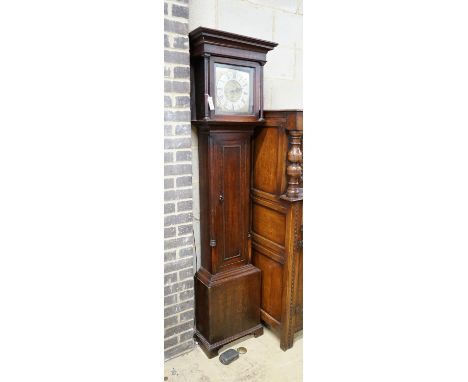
[(178, 199)]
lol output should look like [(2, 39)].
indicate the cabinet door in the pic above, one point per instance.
[(231, 198)]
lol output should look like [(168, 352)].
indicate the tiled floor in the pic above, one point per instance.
[(264, 361)]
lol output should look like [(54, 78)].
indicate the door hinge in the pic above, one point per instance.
[(212, 243)]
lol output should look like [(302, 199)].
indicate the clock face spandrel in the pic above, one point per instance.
[(233, 89)]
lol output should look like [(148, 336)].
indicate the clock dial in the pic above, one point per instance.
[(233, 89)]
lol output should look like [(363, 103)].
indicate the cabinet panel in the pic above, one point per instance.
[(270, 159), (269, 223), (232, 204), (272, 281)]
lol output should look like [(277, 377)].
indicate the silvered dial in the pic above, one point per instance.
[(233, 93)]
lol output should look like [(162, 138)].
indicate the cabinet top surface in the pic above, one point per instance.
[(284, 111)]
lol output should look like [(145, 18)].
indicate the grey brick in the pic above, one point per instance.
[(184, 156), (169, 332), (179, 11), (179, 253), (182, 101), (170, 278), (185, 296), (168, 130), (175, 27), (179, 242), (177, 169), (186, 316), (177, 143), (170, 300), (186, 274), (185, 252), (178, 219), (171, 310), (177, 265), (181, 72), (186, 336), (169, 207), (167, 86), (184, 181), (169, 232), (179, 349), (171, 342), (181, 87), (184, 229), (183, 129), (169, 256), (168, 157), (177, 115), (177, 194), (169, 183), (172, 57), (181, 43), (178, 287), (176, 86), (186, 205), (170, 321)]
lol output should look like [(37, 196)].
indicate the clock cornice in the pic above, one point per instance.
[(209, 41)]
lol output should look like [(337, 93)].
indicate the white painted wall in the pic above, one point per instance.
[(273, 20)]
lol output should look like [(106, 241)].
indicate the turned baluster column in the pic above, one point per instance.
[(294, 168)]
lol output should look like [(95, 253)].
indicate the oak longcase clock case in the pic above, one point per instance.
[(227, 105)]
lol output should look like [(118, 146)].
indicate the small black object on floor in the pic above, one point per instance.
[(228, 356)]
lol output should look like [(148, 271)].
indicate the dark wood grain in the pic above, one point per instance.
[(227, 285), (226, 44), (231, 197), (209, 47), (277, 222), (227, 306)]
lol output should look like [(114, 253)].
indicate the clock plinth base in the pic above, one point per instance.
[(212, 350), (227, 307)]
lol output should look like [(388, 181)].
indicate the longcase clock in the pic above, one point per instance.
[(227, 105)]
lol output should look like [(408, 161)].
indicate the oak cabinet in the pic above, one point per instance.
[(277, 221)]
